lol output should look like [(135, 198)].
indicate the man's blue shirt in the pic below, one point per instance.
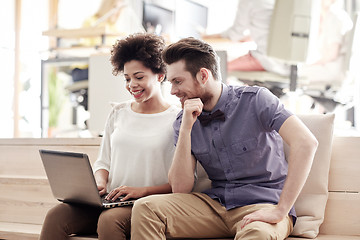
[(243, 155)]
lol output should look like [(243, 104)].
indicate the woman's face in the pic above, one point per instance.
[(141, 82)]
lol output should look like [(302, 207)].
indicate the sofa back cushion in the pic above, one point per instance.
[(310, 205)]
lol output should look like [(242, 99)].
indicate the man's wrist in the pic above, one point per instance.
[(282, 210), (185, 129)]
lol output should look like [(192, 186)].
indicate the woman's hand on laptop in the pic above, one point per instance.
[(125, 193)]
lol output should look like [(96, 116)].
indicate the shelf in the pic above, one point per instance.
[(81, 32), (76, 86), (78, 51)]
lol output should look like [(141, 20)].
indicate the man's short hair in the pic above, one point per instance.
[(197, 54)]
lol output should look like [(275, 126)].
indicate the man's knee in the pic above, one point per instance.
[(147, 219), (260, 231), (152, 208), (143, 206), (254, 233)]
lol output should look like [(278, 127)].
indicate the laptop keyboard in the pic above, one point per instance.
[(109, 201)]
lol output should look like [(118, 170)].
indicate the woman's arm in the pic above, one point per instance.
[(101, 178)]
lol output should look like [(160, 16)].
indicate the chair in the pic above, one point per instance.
[(339, 92), (293, 26)]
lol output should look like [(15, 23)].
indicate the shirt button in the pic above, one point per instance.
[(215, 128), (244, 149), (228, 171)]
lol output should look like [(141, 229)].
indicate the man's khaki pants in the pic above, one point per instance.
[(196, 215)]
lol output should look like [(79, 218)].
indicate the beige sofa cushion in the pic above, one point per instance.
[(310, 206)]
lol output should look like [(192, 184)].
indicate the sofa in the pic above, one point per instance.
[(328, 207)]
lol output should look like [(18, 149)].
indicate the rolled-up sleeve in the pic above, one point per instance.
[(271, 112), (176, 126)]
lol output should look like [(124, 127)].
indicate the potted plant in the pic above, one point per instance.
[(56, 99)]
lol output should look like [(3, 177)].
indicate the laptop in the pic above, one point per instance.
[(72, 180)]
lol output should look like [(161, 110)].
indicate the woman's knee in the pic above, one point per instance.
[(115, 220), (55, 225), (58, 214), (71, 218)]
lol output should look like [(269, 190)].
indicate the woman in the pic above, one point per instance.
[(137, 147)]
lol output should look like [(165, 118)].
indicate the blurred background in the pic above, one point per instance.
[(57, 80)]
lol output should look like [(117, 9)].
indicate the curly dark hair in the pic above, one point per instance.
[(196, 54), (143, 47)]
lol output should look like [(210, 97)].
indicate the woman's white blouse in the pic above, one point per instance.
[(137, 149)]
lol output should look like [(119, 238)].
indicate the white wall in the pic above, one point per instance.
[(104, 88)]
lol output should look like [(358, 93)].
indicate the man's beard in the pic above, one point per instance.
[(204, 96)]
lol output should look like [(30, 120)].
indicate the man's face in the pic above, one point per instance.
[(183, 85)]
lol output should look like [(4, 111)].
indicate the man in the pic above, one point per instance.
[(253, 187)]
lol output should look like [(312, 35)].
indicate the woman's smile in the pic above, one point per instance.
[(137, 93)]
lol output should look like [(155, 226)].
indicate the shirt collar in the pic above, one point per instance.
[(223, 98)]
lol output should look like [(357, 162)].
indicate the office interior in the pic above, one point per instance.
[(57, 80)]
